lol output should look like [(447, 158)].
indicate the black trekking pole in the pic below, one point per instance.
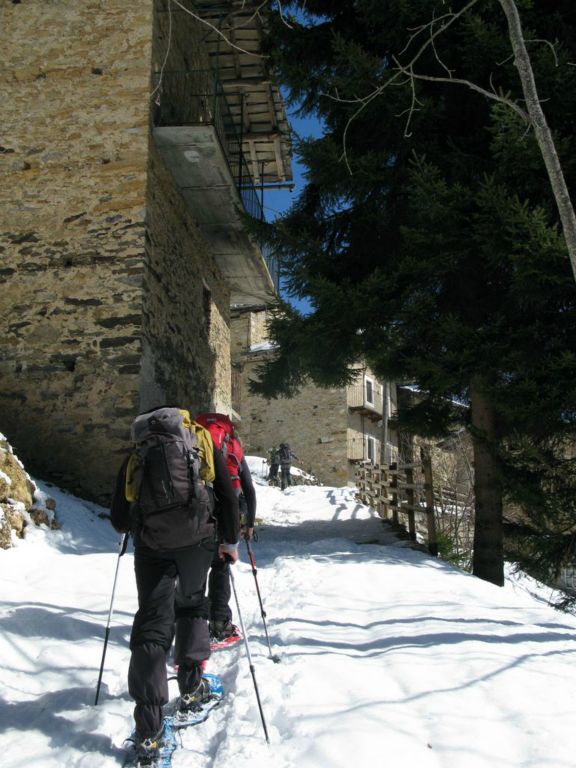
[(249, 656), (123, 546), (275, 658)]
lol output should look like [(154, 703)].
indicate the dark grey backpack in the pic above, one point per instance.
[(171, 502)]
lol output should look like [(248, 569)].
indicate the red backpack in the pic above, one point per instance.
[(222, 432)]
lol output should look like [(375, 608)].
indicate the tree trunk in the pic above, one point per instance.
[(541, 129), (488, 559)]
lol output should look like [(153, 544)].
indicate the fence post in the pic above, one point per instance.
[(376, 475), (384, 492), (370, 484), (361, 483), (394, 492), (410, 499), (429, 493)]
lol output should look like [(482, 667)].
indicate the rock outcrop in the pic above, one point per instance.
[(18, 505)]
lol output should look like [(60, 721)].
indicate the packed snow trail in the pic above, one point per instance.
[(386, 654)]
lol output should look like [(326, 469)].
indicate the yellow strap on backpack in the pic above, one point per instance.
[(204, 440), (130, 485), (205, 447)]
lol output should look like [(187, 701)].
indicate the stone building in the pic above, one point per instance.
[(330, 430), (133, 134)]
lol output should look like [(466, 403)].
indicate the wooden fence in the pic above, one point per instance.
[(403, 493)]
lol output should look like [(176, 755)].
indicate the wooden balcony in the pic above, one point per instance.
[(196, 136), (359, 401)]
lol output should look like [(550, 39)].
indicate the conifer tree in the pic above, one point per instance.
[(426, 238)]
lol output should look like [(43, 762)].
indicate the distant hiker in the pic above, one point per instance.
[(274, 464), (163, 497), (285, 457), (228, 444)]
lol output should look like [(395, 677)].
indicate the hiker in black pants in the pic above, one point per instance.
[(273, 460), (219, 592), (186, 554), (285, 456)]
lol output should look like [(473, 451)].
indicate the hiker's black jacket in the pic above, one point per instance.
[(249, 493), (226, 512)]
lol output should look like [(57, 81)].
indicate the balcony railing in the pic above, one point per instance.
[(197, 98), (273, 266)]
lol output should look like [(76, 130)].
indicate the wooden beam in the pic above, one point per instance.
[(262, 136), (279, 160), (245, 82), (255, 164)]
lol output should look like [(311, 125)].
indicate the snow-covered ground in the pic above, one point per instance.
[(387, 656)]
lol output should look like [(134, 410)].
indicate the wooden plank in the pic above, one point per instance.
[(394, 494), (410, 486), (407, 508)]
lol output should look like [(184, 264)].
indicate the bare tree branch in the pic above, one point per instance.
[(445, 22), (168, 46), (549, 44), (281, 12), (411, 109), (469, 84), (438, 59), (541, 129)]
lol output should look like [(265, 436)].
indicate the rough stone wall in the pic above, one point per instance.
[(248, 328), (186, 355), (258, 329), (240, 336), (186, 307), (314, 424), (318, 424), (110, 301), (73, 166)]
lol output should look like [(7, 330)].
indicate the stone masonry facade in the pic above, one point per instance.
[(186, 347), (109, 298), (313, 423), (318, 423)]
